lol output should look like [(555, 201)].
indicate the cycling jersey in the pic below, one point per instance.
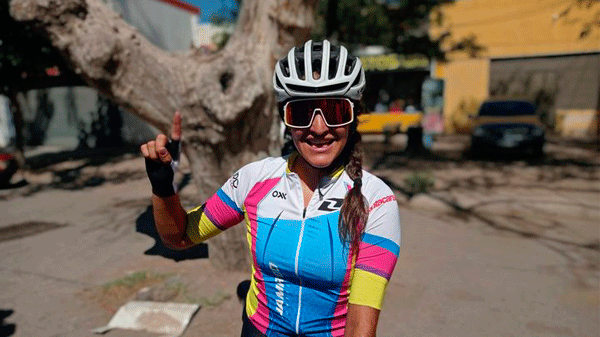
[(303, 275)]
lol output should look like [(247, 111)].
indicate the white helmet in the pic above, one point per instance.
[(341, 74)]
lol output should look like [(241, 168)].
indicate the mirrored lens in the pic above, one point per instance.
[(335, 111), (298, 113)]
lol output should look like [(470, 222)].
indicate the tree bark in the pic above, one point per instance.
[(225, 98)]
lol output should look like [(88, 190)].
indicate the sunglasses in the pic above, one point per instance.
[(336, 112)]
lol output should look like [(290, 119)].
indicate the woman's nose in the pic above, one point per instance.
[(318, 125)]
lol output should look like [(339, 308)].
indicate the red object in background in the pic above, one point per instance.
[(183, 5), (54, 71), (397, 106), (8, 167), (6, 157), (5, 160)]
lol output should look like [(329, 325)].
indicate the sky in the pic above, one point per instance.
[(210, 7)]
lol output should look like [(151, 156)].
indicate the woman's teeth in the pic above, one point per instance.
[(319, 143)]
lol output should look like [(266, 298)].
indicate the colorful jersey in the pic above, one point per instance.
[(303, 276)]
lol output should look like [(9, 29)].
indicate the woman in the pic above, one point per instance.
[(324, 235)]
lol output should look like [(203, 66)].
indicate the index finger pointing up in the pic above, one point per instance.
[(176, 127)]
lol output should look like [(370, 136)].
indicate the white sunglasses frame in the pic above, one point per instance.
[(314, 113)]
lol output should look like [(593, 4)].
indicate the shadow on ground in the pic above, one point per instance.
[(93, 157), (6, 329), (145, 224), (82, 175)]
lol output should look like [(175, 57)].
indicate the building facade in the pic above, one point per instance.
[(545, 51)]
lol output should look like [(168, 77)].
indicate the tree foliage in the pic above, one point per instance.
[(400, 25), (587, 5), (27, 59)]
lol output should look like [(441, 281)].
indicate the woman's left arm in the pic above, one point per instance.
[(361, 321), (375, 261)]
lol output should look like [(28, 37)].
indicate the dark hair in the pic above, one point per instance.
[(354, 211)]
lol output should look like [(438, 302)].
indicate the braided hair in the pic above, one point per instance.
[(354, 210)]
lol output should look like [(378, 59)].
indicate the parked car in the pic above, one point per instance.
[(508, 126)]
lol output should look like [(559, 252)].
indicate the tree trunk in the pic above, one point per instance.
[(225, 99)]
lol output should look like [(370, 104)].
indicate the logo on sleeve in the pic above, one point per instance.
[(234, 180), (332, 204), (382, 201)]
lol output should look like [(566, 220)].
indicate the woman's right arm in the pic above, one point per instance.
[(171, 221), (169, 216)]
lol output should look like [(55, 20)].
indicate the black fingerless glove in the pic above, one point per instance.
[(161, 175)]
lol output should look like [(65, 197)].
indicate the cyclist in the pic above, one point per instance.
[(324, 234)]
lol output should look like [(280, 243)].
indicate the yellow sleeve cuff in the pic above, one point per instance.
[(199, 227), (367, 289)]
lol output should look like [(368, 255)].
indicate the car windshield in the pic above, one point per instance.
[(507, 108)]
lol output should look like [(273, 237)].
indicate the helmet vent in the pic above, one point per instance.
[(318, 90), (278, 83), (300, 68), (317, 47), (357, 80), (349, 65), (316, 67), (285, 67), (333, 65)]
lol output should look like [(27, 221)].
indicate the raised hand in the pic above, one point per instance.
[(162, 149), (160, 156)]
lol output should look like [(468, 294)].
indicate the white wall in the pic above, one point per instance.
[(165, 25), (7, 131)]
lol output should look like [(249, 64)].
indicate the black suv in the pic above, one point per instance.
[(507, 126)]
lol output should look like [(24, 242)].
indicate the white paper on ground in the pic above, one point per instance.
[(164, 318)]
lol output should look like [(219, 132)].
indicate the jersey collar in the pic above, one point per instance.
[(325, 181)]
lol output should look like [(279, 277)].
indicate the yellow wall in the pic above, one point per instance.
[(507, 28), (466, 83)]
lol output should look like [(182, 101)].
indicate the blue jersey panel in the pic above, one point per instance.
[(323, 257), (276, 245), (282, 303), (323, 266)]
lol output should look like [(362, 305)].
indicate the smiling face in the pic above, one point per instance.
[(319, 145)]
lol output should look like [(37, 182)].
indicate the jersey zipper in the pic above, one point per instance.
[(296, 270)]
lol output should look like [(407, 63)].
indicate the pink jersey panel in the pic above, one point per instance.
[(376, 260), (256, 194), (220, 213), (338, 324)]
